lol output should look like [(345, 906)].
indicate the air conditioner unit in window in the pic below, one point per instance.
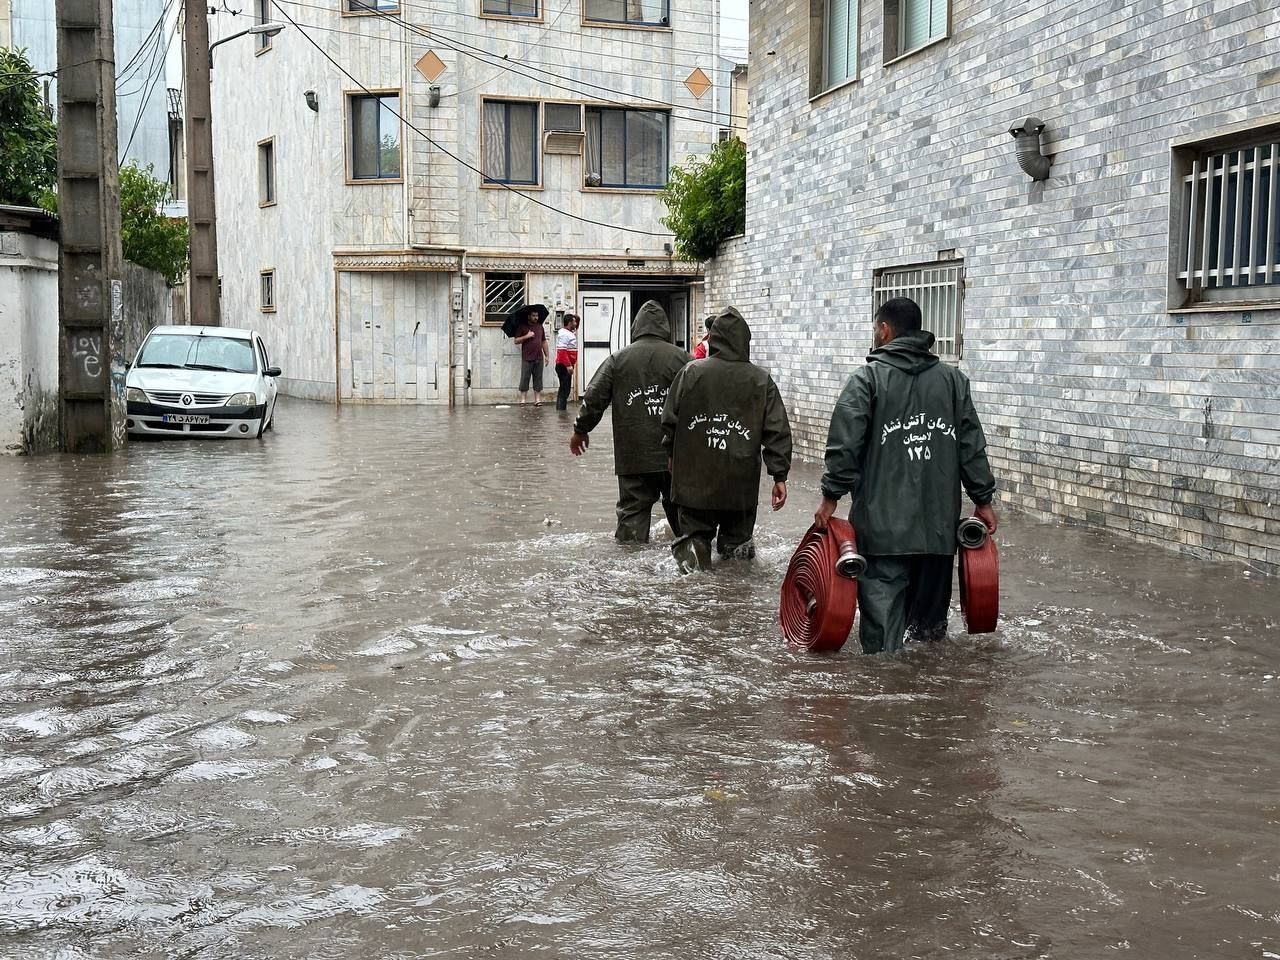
[(567, 142)]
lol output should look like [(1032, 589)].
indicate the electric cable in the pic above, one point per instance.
[(450, 154), (523, 69)]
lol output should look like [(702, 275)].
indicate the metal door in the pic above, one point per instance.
[(606, 329)]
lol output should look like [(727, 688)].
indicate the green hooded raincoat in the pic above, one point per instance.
[(904, 438), (724, 414), (635, 381)]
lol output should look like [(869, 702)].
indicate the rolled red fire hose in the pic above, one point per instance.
[(979, 577), (820, 592)]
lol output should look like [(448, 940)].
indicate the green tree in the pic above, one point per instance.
[(148, 237), (707, 202), (28, 138)]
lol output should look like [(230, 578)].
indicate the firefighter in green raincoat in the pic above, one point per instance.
[(904, 439), (634, 382), (724, 417)]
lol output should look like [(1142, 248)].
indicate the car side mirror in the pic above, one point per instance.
[(271, 372), (128, 364)]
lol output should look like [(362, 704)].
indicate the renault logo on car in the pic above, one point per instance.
[(186, 400)]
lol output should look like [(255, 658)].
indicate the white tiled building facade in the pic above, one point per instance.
[(377, 256), (1117, 389)]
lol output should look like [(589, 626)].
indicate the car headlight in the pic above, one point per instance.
[(135, 395), (242, 400)]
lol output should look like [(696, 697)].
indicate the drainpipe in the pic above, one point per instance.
[(465, 277), (1027, 139)]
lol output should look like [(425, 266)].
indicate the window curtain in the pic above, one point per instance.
[(522, 131), (615, 10), (842, 41), (922, 21), (495, 142), (364, 138), (646, 148), (593, 172)]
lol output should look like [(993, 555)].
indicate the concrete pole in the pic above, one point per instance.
[(90, 304), (202, 288)]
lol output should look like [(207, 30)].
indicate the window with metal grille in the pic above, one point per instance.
[(267, 291), (833, 29), (1226, 243), (649, 13), (503, 293), (510, 8), (938, 289), (911, 25)]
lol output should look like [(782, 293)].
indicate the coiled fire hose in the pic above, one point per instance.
[(820, 592), (979, 577)]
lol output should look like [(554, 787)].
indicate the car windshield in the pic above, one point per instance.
[(195, 352)]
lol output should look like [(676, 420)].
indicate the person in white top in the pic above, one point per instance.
[(566, 359)]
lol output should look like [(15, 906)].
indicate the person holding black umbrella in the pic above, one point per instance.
[(525, 325)]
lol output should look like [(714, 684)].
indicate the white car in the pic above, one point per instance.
[(201, 382)]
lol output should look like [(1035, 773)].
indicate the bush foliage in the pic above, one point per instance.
[(148, 237), (707, 202)]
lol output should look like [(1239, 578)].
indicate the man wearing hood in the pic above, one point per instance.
[(904, 438), (635, 381), (723, 417)]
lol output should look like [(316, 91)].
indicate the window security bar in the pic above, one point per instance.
[(1231, 234), (502, 296), (938, 291)]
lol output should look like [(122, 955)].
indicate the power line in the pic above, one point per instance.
[(153, 78), (448, 153), (528, 44), (478, 53), (648, 47)]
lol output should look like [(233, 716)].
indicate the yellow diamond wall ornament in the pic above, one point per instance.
[(698, 83), (430, 66)]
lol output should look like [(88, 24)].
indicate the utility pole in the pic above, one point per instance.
[(91, 359), (203, 295)]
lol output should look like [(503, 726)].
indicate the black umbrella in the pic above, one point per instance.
[(519, 316)]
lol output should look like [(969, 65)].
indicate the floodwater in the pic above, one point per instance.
[(381, 686)]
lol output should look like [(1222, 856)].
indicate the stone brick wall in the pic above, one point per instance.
[(1100, 405)]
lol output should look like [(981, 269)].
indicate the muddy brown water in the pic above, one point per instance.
[(381, 686)]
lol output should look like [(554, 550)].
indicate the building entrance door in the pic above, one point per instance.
[(606, 329)]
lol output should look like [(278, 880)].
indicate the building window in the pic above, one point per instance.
[(262, 14), (503, 293), (938, 289), (375, 137), (266, 172), (912, 24), (1226, 238), (627, 148), (267, 291), (563, 117), (644, 13), (834, 57), (509, 8), (369, 6), (510, 142)]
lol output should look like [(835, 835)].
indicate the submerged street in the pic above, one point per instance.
[(381, 685)]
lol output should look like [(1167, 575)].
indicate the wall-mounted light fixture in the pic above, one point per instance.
[(1027, 138), (313, 100), (433, 95)]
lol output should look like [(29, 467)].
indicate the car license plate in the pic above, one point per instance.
[(183, 418)]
